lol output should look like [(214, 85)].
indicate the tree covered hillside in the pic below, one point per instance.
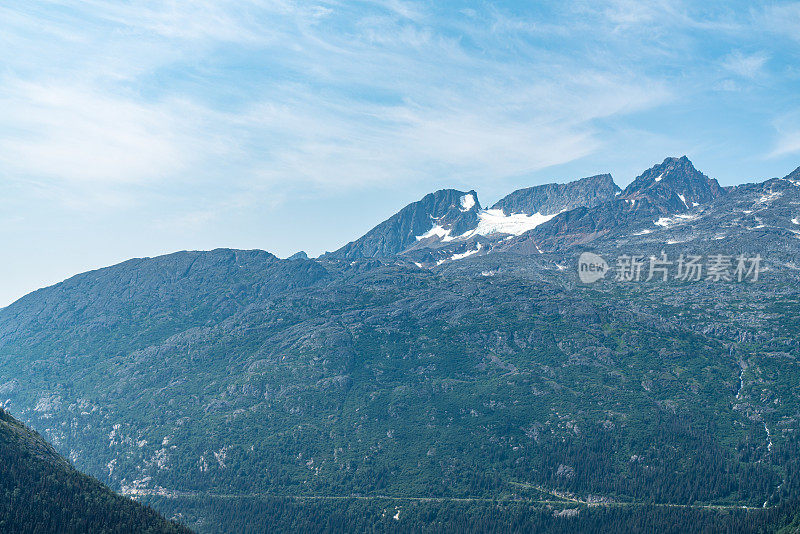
[(42, 492)]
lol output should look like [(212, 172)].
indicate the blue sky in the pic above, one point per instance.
[(138, 128)]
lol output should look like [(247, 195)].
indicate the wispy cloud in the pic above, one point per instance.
[(745, 65), (781, 18), (78, 134), (788, 135), (143, 92)]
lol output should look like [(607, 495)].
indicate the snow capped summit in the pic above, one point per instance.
[(449, 223), (449, 217), (434, 218), (468, 202)]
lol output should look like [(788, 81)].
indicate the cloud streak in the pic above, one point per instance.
[(272, 91)]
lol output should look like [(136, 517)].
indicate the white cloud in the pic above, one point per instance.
[(626, 13), (662, 18), (745, 65), (789, 143)]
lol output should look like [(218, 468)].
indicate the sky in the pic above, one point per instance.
[(137, 128)]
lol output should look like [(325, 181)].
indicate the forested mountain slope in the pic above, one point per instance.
[(42, 492)]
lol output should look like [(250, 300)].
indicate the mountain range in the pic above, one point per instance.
[(446, 368), (553, 215)]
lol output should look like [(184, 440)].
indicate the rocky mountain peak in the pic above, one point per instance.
[(447, 211), (674, 184)]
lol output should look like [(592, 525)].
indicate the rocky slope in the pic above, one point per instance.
[(554, 198), (450, 222)]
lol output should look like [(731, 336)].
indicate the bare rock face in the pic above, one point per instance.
[(44, 493), (668, 189), (555, 198), (675, 185)]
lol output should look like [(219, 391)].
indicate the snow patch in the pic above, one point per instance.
[(765, 199), (436, 231), (461, 255), (467, 202), (796, 220), (681, 218), (644, 232), (466, 254), (497, 222), (660, 177), (489, 222)]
